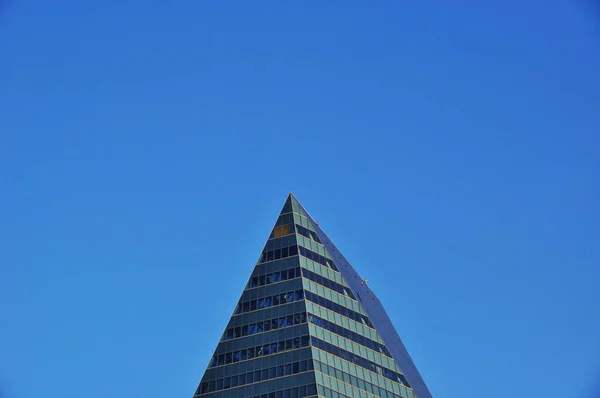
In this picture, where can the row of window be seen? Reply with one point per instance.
(361, 374)
(296, 392)
(282, 241)
(309, 390)
(276, 254)
(354, 381)
(274, 266)
(274, 277)
(331, 316)
(300, 219)
(340, 309)
(260, 363)
(321, 270)
(271, 301)
(256, 376)
(263, 338)
(311, 245)
(360, 361)
(258, 351)
(349, 334)
(344, 301)
(327, 393)
(307, 233)
(265, 326)
(317, 258)
(354, 348)
(328, 283)
(272, 252)
(273, 288)
(274, 312)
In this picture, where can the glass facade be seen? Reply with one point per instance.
(306, 325)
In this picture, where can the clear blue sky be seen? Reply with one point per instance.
(146, 148)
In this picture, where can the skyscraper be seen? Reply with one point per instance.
(307, 325)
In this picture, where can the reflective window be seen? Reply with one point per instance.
(307, 233)
(295, 391)
(317, 258)
(349, 379)
(262, 350)
(357, 360)
(272, 301)
(265, 326)
(279, 276)
(328, 283)
(340, 309)
(276, 254)
(350, 335)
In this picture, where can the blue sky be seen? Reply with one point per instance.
(449, 148)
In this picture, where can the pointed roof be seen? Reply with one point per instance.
(329, 307)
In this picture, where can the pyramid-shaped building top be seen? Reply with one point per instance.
(307, 325)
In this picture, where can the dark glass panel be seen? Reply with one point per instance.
(293, 250)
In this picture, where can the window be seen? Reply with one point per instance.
(360, 361)
(281, 231)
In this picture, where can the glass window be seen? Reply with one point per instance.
(302, 391)
(293, 250)
(302, 366)
(281, 231)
